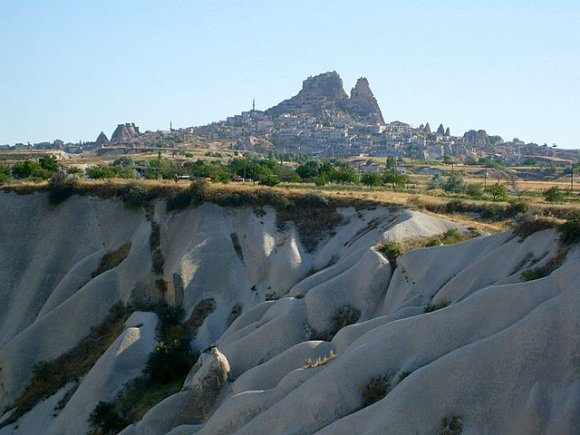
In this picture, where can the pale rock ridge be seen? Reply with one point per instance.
(499, 353)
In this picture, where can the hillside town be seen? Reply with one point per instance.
(322, 120)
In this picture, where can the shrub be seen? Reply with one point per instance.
(429, 308)
(526, 224)
(391, 250)
(554, 194)
(199, 191)
(105, 418)
(234, 314)
(134, 196)
(112, 259)
(456, 206)
(533, 274)
(451, 426)
(60, 189)
(497, 191)
(51, 376)
(474, 189)
(269, 180)
(570, 231)
(346, 315)
(516, 208)
(454, 183)
(492, 212)
(371, 179)
(99, 172)
(169, 360)
(375, 390)
(178, 201)
(451, 237)
(311, 200)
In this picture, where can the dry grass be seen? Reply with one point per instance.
(320, 361)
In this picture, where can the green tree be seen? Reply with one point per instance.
(436, 182)
(30, 169)
(344, 175)
(100, 172)
(371, 179)
(49, 163)
(391, 162)
(308, 170)
(395, 178)
(4, 174)
(455, 183)
(498, 191)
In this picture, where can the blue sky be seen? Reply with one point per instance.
(69, 69)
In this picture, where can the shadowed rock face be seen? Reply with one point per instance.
(325, 93)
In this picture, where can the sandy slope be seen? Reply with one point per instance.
(503, 355)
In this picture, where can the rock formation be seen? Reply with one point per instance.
(102, 140)
(325, 93)
(322, 92)
(441, 130)
(363, 104)
(125, 133)
(337, 339)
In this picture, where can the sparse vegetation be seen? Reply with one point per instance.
(107, 420)
(554, 194)
(134, 195)
(51, 376)
(112, 259)
(234, 314)
(449, 237)
(170, 361)
(391, 250)
(526, 224)
(60, 188)
(545, 270)
(376, 389)
(570, 231)
(429, 308)
(533, 274)
(320, 361)
(344, 316)
(451, 426)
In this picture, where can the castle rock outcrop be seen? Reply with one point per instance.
(324, 94)
(363, 103)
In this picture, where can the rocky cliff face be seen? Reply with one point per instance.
(325, 93)
(363, 104)
(318, 93)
